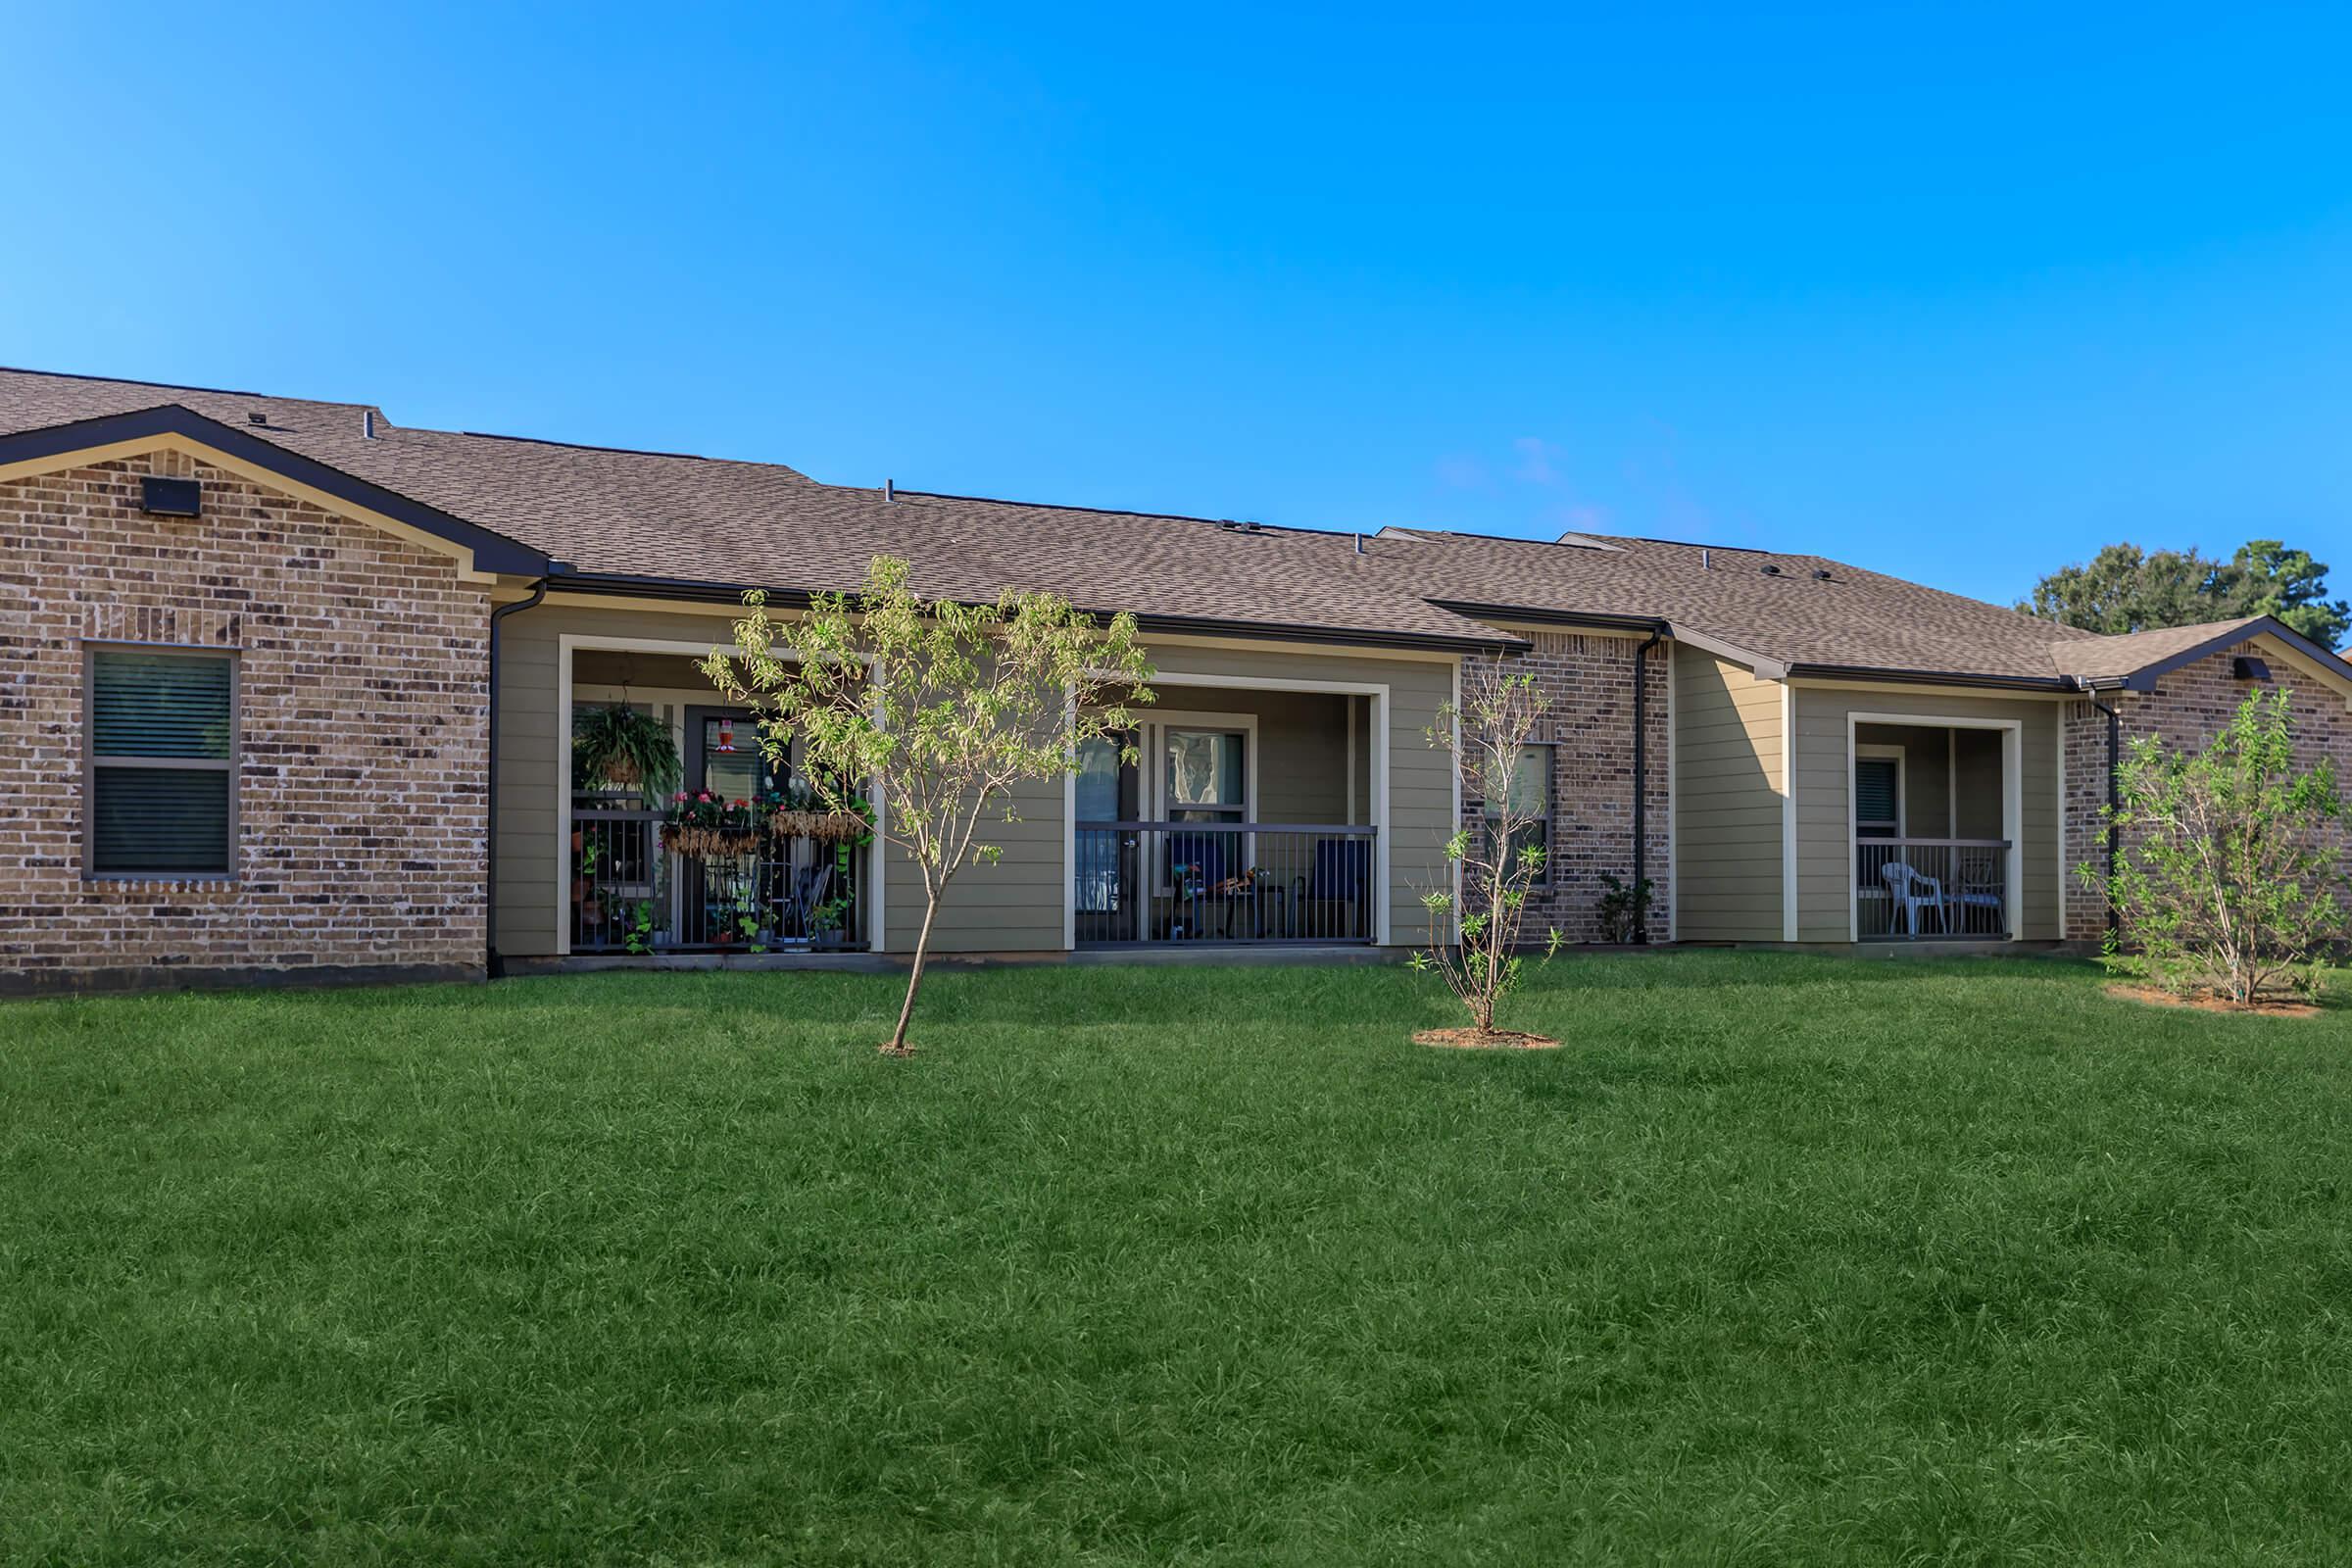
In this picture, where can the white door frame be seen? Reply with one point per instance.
(2013, 811)
(1376, 691)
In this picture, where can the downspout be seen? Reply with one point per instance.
(493, 968)
(1642, 781)
(2115, 799)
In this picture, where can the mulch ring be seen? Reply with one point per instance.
(1485, 1040)
(2207, 1002)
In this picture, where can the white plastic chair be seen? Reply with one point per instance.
(1903, 885)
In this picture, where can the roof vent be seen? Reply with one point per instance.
(2245, 666)
(257, 419)
(160, 497)
(1770, 569)
(890, 490)
(1822, 574)
(367, 424)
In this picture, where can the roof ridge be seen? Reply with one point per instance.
(592, 446)
(1116, 511)
(133, 380)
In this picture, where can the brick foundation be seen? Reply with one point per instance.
(363, 715)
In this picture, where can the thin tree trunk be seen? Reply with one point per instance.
(914, 981)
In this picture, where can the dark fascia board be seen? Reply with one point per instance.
(492, 552)
(2145, 678)
(1547, 617)
(1933, 677)
(695, 591)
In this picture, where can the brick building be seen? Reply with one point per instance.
(287, 693)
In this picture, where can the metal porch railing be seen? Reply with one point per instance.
(1222, 881)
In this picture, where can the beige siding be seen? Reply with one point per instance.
(1728, 809)
(1824, 844)
(533, 757)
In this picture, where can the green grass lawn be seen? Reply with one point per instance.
(1781, 1261)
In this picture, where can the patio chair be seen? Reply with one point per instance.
(1913, 893)
(1335, 888)
(811, 886)
(1981, 890)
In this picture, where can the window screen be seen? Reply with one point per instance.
(162, 744)
(1878, 810)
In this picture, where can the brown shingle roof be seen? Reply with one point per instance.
(2106, 658)
(674, 521)
(1850, 617)
(676, 518)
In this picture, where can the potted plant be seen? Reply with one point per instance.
(624, 747)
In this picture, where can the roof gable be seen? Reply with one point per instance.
(26, 451)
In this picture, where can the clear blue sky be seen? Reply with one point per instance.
(1961, 295)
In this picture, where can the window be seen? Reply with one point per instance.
(1099, 771)
(161, 786)
(1879, 791)
(1206, 777)
(1531, 792)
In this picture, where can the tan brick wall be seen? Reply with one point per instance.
(2187, 708)
(1590, 682)
(362, 692)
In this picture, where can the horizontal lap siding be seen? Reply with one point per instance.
(1014, 905)
(1728, 811)
(534, 751)
(1825, 847)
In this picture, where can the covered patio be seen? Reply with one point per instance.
(1249, 813)
(1934, 848)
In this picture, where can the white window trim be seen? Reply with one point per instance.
(1152, 796)
(1901, 756)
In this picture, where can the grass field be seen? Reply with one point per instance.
(1781, 1260)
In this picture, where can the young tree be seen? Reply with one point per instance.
(2229, 859)
(944, 707)
(1488, 730)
